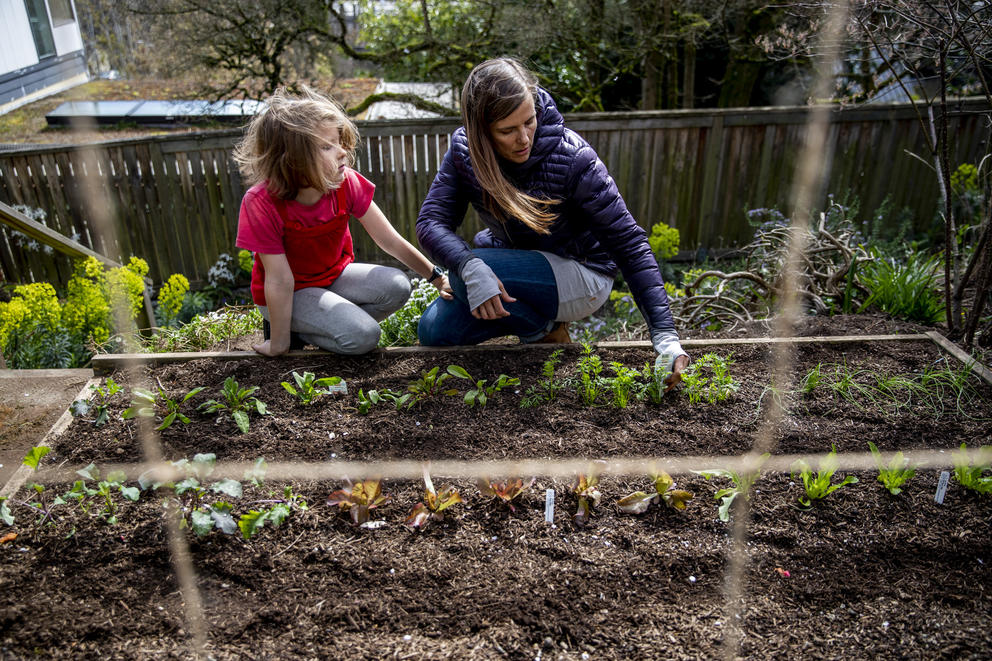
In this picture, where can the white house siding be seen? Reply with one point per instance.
(16, 44)
(67, 38)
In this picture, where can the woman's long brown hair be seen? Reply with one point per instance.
(492, 92)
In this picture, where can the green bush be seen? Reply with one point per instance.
(400, 328)
(904, 290)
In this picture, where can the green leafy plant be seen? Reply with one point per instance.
(971, 473)
(147, 404)
(190, 493)
(480, 393)
(308, 387)
(359, 500)
(400, 328)
(42, 505)
(429, 385)
(708, 379)
(624, 385)
(586, 490)
(741, 483)
(506, 493)
(102, 490)
(367, 400)
(238, 402)
(896, 473)
(905, 288)
(590, 366)
(98, 402)
(547, 387)
(820, 485)
(274, 512)
(664, 492)
(811, 380)
(654, 376)
(433, 505)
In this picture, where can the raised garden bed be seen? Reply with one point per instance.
(861, 573)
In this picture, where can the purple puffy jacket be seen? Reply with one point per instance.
(594, 226)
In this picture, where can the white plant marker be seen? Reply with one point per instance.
(941, 487)
(549, 506)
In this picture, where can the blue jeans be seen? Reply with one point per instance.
(526, 275)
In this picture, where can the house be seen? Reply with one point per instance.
(41, 50)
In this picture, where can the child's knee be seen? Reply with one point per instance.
(360, 341)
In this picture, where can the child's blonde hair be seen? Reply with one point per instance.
(282, 143)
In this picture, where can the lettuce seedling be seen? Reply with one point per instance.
(145, 403)
(819, 486)
(586, 490)
(971, 475)
(237, 401)
(359, 500)
(433, 505)
(505, 492)
(481, 393)
(897, 473)
(308, 387)
(664, 491)
(741, 485)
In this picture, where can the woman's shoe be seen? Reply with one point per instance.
(558, 335)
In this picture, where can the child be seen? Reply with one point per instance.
(295, 156)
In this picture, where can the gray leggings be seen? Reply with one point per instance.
(344, 317)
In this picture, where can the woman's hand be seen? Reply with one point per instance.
(675, 377)
(493, 308)
(443, 288)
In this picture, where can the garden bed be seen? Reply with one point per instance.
(861, 573)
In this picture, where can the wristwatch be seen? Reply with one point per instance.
(435, 274)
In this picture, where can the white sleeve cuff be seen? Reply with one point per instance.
(481, 283)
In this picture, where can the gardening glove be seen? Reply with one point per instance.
(481, 283)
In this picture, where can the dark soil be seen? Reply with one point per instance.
(862, 574)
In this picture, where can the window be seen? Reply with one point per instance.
(61, 11)
(41, 29)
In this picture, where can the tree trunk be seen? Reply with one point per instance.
(689, 75)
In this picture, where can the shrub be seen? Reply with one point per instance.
(400, 328)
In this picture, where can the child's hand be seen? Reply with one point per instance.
(266, 349)
(443, 288)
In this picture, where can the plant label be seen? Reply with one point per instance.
(942, 487)
(549, 506)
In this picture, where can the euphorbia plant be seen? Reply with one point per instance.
(434, 503)
(664, 491)
(359, 500)
(505, 492)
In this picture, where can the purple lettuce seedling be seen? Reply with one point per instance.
(359, 500)
(586, 490)
(505, 492)
(433, 505)
(665, 491)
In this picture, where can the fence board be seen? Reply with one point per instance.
(175, 199)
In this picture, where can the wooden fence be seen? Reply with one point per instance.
(174, 200)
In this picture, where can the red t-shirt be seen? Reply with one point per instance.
(261, 228)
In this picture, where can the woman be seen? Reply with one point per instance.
(556, 227)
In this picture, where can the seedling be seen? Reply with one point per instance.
(708, 379)
(237, 401)
(373, 397)
(98, 402)
(190, 492)
(359, 500)
(114, 480)
(505, 492)
(145, 403)
(589, 367)
(547, 387)
(31, 459)
(433, 506)
(897, 473)
(624, 384)
(655, 376)
(586, 490)
(741, 485)
(308, 387)
(276, 512)
(481, 393)
(664, 491)
(972, 474)
(428, 386)
(812, 380)
(819, 486)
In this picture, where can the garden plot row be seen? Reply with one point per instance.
(490, 581)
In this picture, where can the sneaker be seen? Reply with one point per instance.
(558, 335)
